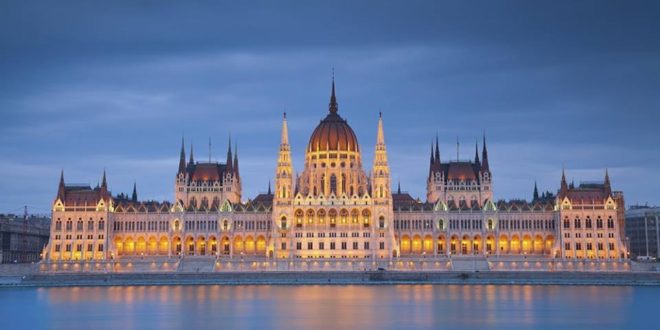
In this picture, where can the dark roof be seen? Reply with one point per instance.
(403, 200)
(206, 172)
(588, 193)
(461, 171)
(264, 199)
(81, 195)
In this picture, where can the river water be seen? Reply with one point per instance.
(331, 307)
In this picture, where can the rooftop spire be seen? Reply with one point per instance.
(607, 177)
(192, 159)
(536, 192)
(476, 153)
(284, 140)
(269, 191)
(333, 99)
(564, 185)
(182, 159)
(432, 158)
(235, 167)
(380, 136)
(229, 157)
(104, 183)
(484, 157)
(134, 197)
(608, 186)
(398, 187)
(60, 188)
(437, 149)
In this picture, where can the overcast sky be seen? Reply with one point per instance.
(91, 85)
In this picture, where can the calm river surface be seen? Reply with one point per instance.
(331, 307)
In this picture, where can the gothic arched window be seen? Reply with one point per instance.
(343, 183)
(333, 184)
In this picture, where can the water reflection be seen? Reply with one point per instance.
(329, 307)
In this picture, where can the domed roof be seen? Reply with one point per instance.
(333, 133)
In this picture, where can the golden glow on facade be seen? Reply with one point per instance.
(335, 210)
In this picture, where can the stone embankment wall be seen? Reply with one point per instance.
(212, 265)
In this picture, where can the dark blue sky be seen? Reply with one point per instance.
(90, 85)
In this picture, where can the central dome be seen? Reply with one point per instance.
(333, 132)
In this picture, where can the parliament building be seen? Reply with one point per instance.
(335, 209)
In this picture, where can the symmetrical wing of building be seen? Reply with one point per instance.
(334, 209)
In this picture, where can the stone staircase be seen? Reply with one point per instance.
(196, 265)
(469, 264)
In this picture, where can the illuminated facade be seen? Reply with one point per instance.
(334, 210)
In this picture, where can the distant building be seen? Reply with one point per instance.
(335, 209)
(22, 239)
(642, 230)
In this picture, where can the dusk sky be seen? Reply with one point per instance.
(91, 85)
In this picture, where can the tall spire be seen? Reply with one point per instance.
(269, 191)
(182, 159)
(535, 197)
(437, 149)
(235, 167)
(60, 188)
(283, 174)
(104, 182)
(432, 158)
(380, 136)
(104, 187)
(134, 197)
(564, 186)
(607, 184)
(398, 187)
(476, 154)
(484, 157)
(229, 157)
(192, 159)
(284, 139)
(334, 107)
(380, 174)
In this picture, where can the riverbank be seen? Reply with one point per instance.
(335, 278)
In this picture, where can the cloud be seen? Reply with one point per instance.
(549, 86)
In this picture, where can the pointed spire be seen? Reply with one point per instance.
(432, 162)
(484, 157)
(535, 197)
(104, 182)
(437, 149)
(476, 154)
(235, 166)
(398, 187)
(380, 136)
(564, 186)
(61, 188)
(229, 157)
(284, 140)
(607, 177)
(182, 158)
(104, 186)
(607, 184)
(269, 191)
(192, 159)
(432, 158)
(334, 107)
(134, 197)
